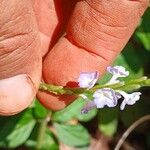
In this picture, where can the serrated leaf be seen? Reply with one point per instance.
(108, 121)
(16, 130)
(48, 142)
(69, 112)
(72, 135)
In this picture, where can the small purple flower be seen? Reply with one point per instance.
(104, 97)
(117, 71)
(88, 79)
(89, 105)
(129, 99)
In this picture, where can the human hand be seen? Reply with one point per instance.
(95, 34)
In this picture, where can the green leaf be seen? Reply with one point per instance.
(16, 130)
(105, 78)
(69, 112)
(82, 148)
(108, 121)
(39, 111)
(74, 111)
(134, 66)
(144, 38)
(72, 135)
(143, 32)
(49, 142)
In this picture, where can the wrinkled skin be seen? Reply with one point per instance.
(71, 36)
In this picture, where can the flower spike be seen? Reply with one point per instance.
(106, 96)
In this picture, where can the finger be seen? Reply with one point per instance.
(96, 33)
(47, 20)
(51, 19)
(20, 57)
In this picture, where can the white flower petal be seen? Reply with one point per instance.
(129, 99)
(118, 70)
(88, 79)
(98, 94)
(111, 103)
(100, 103)
(133, 98)
(123, 104)
(104, 97)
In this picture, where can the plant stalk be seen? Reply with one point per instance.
(42, 130)
(130, 129)
(122, 85)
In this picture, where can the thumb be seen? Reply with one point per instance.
(96, 33)
(20, 58)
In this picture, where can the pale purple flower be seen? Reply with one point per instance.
(104, 97)
(88, 79)
(129, 99)
(117, 71)
(89, 105)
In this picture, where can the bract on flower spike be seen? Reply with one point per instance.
(83, 96)
(117, 71)
(106, 96)
(88, 79)
(129, 99)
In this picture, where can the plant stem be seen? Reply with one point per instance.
(123, 85)
(42, 129)
(130, 129)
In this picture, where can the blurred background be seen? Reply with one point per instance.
(68, 129)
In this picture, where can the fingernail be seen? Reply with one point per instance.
(16, 94)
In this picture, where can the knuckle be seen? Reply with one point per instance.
(17, 26)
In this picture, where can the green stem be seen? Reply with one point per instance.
(123, 85)
(52, 88)
(41, 130)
